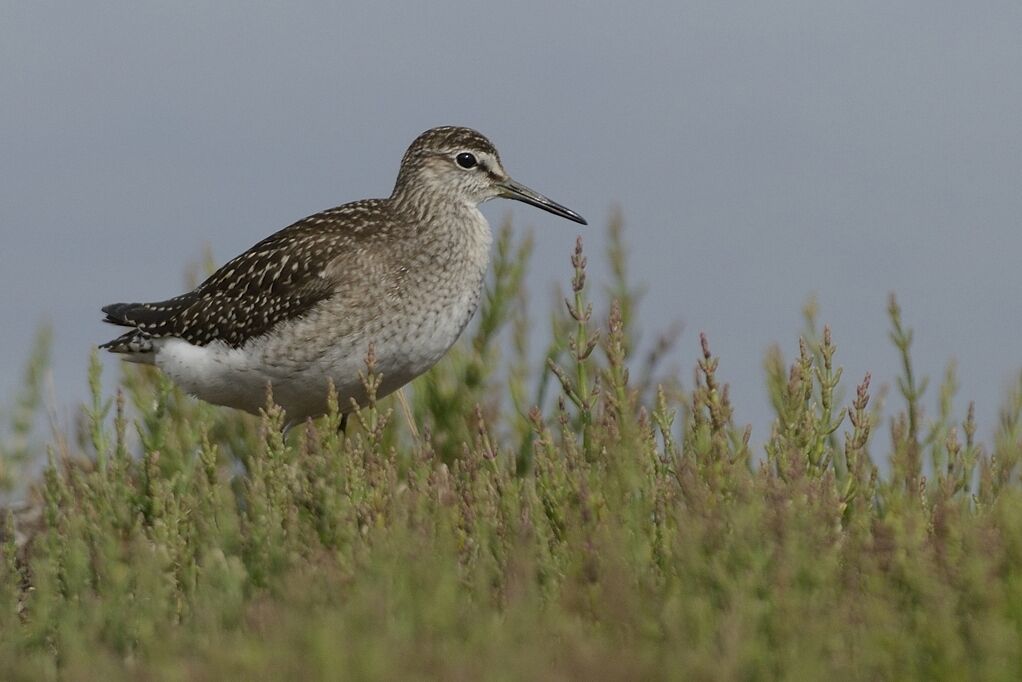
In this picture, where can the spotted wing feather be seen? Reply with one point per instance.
(280, 278)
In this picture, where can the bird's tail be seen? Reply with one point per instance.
(137, 345)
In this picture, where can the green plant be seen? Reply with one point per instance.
(615, 526)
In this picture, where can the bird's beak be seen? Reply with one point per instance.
(511, 189)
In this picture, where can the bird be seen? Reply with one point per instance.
(300, 310)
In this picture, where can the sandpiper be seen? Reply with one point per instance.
(299, 310)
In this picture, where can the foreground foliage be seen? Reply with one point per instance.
(587, 520)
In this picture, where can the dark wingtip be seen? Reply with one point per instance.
(114, 310)
(119, 314)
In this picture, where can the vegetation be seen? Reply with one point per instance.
(587, 517)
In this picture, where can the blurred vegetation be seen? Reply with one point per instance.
(582, 517)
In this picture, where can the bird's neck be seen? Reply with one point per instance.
(451, 234)
(429, 209)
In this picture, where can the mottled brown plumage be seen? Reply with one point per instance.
(300, 307)
(280, 278)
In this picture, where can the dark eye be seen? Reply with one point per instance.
(466, 160)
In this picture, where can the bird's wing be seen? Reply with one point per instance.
(279, 279)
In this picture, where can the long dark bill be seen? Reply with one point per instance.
(518, 191)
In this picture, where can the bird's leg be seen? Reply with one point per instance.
(343, 426)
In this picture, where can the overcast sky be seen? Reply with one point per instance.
(760, 152)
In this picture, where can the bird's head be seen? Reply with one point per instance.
(463, 166)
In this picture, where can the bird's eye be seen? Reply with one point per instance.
(466, 160)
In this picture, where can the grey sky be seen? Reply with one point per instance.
(760, 152)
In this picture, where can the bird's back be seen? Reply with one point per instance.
(280, 278)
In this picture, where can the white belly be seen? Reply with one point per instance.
(301, 362)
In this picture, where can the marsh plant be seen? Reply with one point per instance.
(569, 511)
